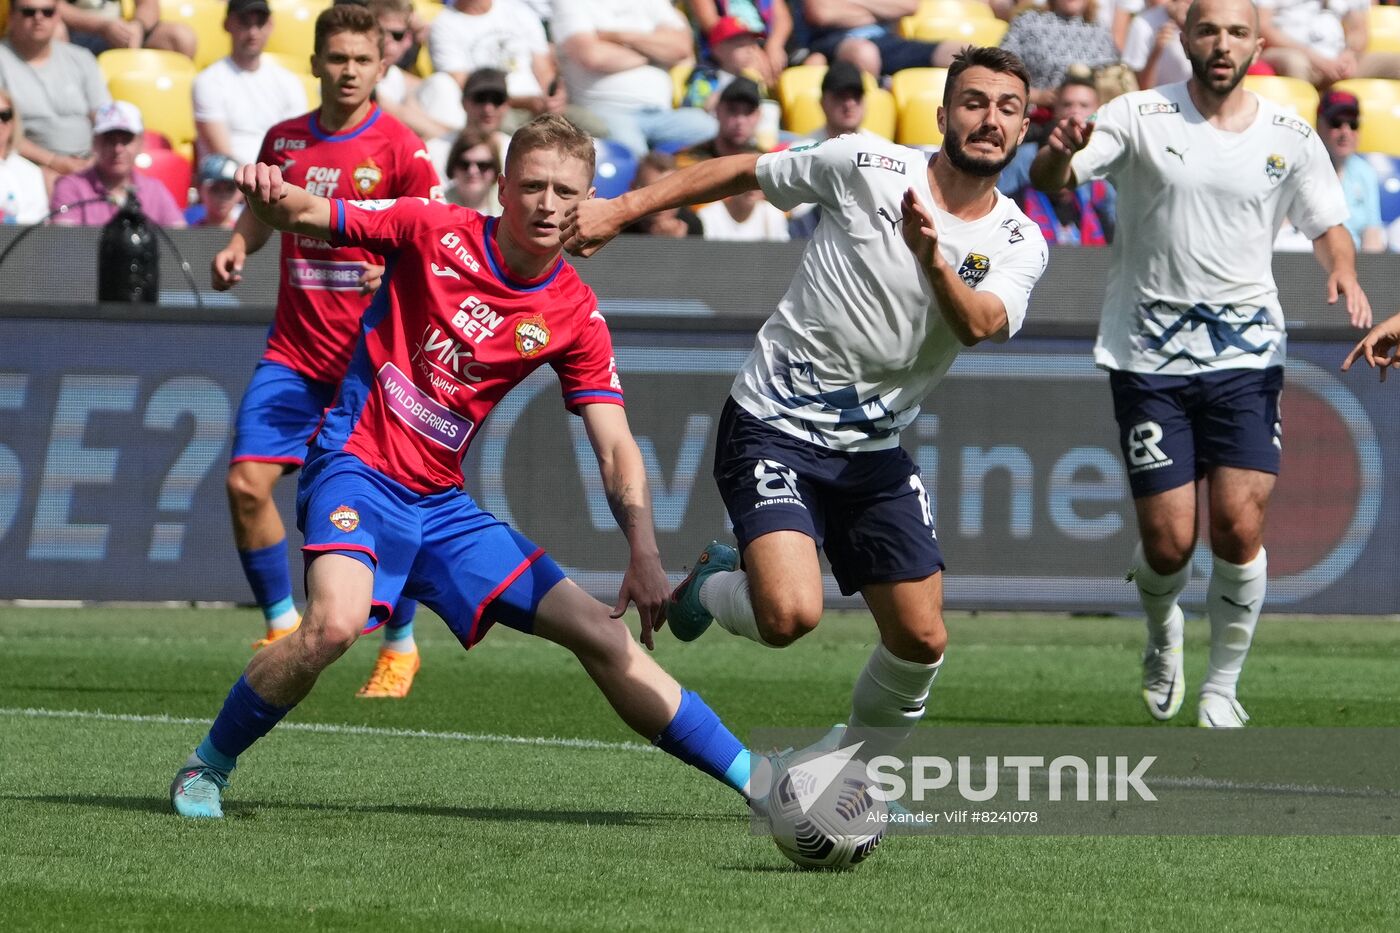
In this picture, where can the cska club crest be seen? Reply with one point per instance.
(974, 269)
(366, 177)
(345, 518)
(531, 336)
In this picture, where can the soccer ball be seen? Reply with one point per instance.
(838, 829)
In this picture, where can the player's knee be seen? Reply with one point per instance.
(862, 53)
(246, 493)
(325, 635)
(784, 623)
(1235, 540)
(1166, 554)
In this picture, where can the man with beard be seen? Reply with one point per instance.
(915, 259)
(1192, 334)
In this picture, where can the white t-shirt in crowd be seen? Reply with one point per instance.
(643, 87)
(1172, 65)
(23, 197)
(1191, 286)
(248, 103)
(393, 87)
(858, 339)
(506, 37)
(1315, 23)
(766, 223)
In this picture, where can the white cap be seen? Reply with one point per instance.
(118, 115)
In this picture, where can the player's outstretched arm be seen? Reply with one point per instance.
(973, 316)
(281, 204)
(625, 483)
(1336, 252)
(249, 236)
(590, 224)
(1051, 169)
(1380, 348)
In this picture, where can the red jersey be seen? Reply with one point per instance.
(318, 295)
(448, 334)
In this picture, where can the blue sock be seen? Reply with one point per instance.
(245, 718)
(399, 628)
(270, 577)
(697, 737)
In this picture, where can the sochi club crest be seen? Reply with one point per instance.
(974, 269)
(531, 336)
(1274, 168)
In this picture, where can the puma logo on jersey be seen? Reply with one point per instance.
(890, 219)
(1179, 153)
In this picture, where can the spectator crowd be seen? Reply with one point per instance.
(660, 85)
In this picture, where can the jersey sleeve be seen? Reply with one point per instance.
(417, 177)
(1014, 276)
(1318, 202)
(807, 174)
(383, 226)
(588, 371)
(1108, 143)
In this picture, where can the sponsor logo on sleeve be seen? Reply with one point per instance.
(1147, 110)
(1012, 226)
(383, 204)
(1293, 123)
(345, 518)
(974, 269)
(531, 336)
(878, 160)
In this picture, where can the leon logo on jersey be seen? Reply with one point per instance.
(531, 336)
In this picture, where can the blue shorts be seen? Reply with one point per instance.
(278, 414)
(1175, 428)
(868, 511)
(441, 549)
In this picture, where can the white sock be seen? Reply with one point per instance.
(404, 645)
(888, 701)
(726, 594)
(284, 621)
(1233, 601)
(1158, 594)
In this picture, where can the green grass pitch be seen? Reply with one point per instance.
(477, 825)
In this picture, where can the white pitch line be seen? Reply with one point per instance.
(333, 728)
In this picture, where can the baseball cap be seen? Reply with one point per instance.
(485, 80)
(843, 76)
(118, 116)
(1337, 104)
(217, 167)
(248, 6)
(731, 27)
(741, 91)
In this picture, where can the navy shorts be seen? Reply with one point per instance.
(896, 52)
(441, 549)
(1175, 428)
(278, 414)
(868, 511)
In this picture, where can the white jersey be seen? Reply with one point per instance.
(858, 339)
(1191, 286)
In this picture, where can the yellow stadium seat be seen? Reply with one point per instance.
(294, 26)
(423, 64)
(1380, 113)
(880, 113)
(296, 64)
(966, 31)
(1384, 29)
(953, 9)
(164, 101)
(800, 93)
(918, 93)
(427, 10)
(313, 91)
(206, 18)
(1293, 94)
(115, 62)
(680, 74)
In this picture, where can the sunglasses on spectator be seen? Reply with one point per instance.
(1338, 124)
(396, 34)
(7, 115)
(483, 167)
(29, 12)
(495, 100)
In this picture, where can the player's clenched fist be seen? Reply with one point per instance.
(226, 270)
(261, 184)
(589, 225)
